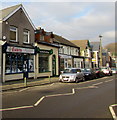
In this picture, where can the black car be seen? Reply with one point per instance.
(89, 74)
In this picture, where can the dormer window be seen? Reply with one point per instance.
(26, 36)
(13, 34)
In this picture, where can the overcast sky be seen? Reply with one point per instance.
(74, 20)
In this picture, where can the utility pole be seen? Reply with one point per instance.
(100, 36)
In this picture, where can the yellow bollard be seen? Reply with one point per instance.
(25, 82)
(49, 79)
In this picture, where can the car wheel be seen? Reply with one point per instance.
(76, 80)
(83, 79)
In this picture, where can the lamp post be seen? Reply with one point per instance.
(100, 36)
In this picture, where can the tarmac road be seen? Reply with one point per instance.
(89, 99)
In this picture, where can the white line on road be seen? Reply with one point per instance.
(16, 108)
(38, 102)
(109, 80)
(54, 95)
(52, 84)
(112, 111)
(98, 83)
(23, 89)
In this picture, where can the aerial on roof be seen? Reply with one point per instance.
(64, 41)
(8, 12)
(81, 43)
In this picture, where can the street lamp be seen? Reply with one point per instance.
(100, 36)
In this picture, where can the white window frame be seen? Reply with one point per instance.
(11, 29)
(28, 34)
(41, 37)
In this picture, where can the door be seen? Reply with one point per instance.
(53, 65)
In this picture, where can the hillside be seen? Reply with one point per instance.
(112, 47)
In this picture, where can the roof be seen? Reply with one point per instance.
(64, 41)
(81, 43)
(8, 12)
(95, 46)
(49, 44)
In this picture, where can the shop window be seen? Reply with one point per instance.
(43, 63)
(13, 33)
(61, 64)
(15, 63)
(31, 63)
(26, 36)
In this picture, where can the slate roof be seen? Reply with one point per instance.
(7, 11)
(81, 43)
(95, 46)
(64, 41)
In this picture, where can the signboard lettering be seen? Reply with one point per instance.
(19, 50)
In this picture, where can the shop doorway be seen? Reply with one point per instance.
(53, 65)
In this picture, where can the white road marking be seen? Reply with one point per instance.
(16, 108)
(54, 95)
(87, 87)
(39, 101)
(109, 80)
(23, 89)
(52, 84)
(112, 111)
(98, 83)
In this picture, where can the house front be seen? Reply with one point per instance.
(85, 52)
(95, 54)
(68, 53)
(46, 54)
(18, 53)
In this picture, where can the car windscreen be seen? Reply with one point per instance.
(72, 70)
(86, 70)
(75, 70)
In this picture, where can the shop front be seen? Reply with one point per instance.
(46, 61)
(78, 62)
(88, 62)
(65, 61)
(1, 60)
(16, 60)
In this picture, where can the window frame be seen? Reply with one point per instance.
(28, 34)
(16, 31)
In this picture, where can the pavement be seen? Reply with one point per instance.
(17, 84)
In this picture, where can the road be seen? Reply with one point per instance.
(89, 99)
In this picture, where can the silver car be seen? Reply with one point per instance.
(71, 75)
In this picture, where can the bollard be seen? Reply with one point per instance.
(49, 79)
(25, 81)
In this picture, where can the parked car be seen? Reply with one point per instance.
(71, 75)
(114, 70)
(107, 70)
(99, 73)
(89, 73)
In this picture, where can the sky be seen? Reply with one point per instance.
(73, 20)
